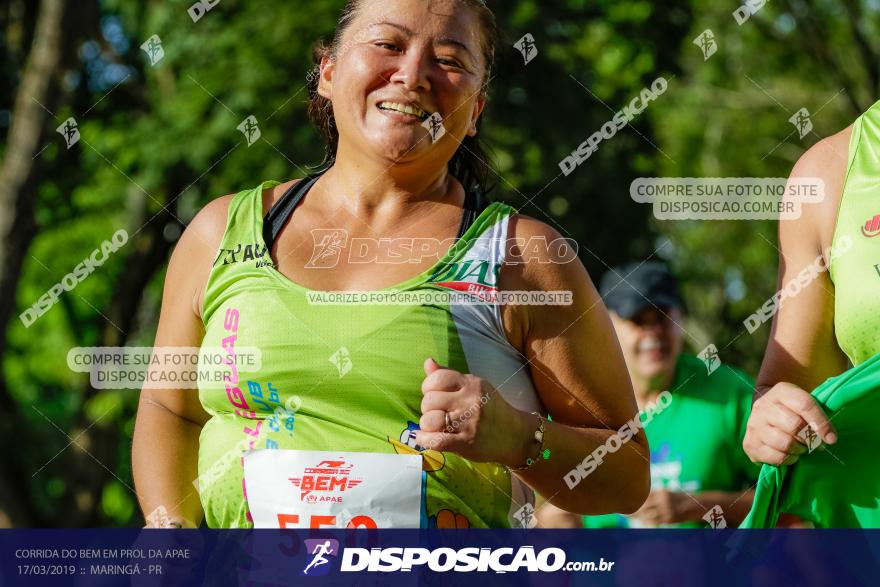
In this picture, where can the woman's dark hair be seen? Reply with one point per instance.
(468, 164)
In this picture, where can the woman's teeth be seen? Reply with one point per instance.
(398, 107)
(649, 345)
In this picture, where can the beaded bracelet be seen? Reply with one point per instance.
(539, 438)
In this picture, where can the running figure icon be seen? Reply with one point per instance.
(321, 549)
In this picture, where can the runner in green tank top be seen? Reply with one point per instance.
(463, 389)
(287, 404)
(834, 321)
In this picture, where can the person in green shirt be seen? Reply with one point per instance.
(695, 433)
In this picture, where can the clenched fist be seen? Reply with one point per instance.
(466, 415)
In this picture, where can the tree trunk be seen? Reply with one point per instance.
(18, 192)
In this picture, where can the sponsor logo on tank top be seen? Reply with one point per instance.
(243, 254)
(326, 481)
(872, 227)
(470, 276)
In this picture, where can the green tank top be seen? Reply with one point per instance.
(348, 377)
(856, 271)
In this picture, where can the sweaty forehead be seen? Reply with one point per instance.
(448, 19)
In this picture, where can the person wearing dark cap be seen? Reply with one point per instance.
(699, 472)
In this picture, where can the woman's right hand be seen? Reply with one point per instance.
(777, 418)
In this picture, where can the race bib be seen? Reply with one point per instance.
(314, 489)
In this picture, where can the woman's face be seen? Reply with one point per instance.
(424, 55)
(651, 341)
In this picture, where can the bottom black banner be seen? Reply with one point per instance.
(439, 557)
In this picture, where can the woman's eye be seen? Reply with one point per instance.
(389, 46)
(449, 62)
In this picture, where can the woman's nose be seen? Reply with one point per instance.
(412, 71)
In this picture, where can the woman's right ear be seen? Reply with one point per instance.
(325, 77)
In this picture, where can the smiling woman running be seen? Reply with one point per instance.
(472, 383)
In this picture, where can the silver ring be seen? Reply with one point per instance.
(448, 421)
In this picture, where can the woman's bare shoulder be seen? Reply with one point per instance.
(206, 229)
(534, 243)
(826, 161)
(197, 248)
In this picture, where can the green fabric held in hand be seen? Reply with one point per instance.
(838, 485)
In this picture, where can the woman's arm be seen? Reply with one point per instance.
(550, 516)
(677, 507)
(166, 435)
(666, 507)
(579, 374)
(802, 351)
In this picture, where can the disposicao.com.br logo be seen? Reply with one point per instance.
(444, 559)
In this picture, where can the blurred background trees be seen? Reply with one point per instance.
(159, 141)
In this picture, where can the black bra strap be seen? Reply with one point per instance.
(473, 206)
(281, 210)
